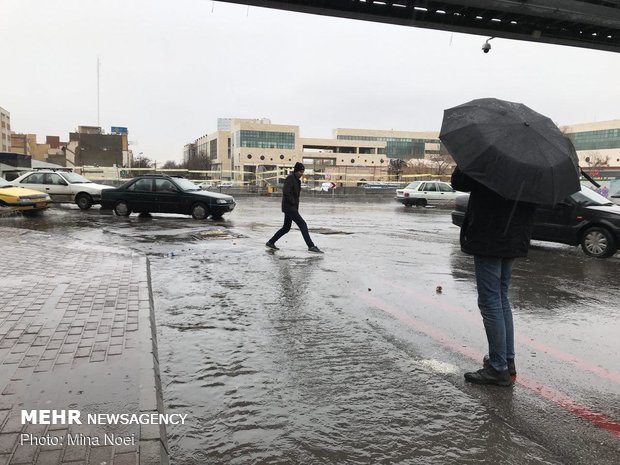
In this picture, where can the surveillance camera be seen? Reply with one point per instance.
(486, 47)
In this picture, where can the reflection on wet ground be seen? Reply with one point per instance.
(291, 358)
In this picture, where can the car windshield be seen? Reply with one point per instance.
(4, 183)
(186, 185)
(587, 196)
(413, 185)
(74, 178)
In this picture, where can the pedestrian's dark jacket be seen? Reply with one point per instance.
(493, 225)
(290, 193)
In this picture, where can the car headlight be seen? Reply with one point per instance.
(221, 201)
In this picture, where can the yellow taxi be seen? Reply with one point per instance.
(27, 201)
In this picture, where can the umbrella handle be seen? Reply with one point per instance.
(587, 176)
(514, 207)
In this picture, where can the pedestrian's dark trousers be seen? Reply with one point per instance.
(289, 217)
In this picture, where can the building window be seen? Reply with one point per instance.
(249, 156)
(265, 139)
(213, 149)
(397, 147)
(596, 140)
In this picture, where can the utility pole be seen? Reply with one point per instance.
(98, 114)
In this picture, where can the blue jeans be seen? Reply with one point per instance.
(289, 217)
(492, 280)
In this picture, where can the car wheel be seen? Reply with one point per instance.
(122, 208)
(84, 201)
(420, 202)
(200, 211)
(598, 242)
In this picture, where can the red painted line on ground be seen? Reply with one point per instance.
(555, 396)
(572, 406)
(559, 354)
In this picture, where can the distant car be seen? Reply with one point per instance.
(206, 185)
(63, 186)
(226, 184)
(380, 185)
(27, 201)
(159, 193)
(423, 193)
(585, 218)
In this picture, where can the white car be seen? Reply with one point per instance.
(422, 193)
(63, 186)
(206, 185)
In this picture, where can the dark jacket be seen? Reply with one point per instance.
(290, 193)
(493, 226)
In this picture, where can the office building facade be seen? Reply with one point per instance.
(597, 144)
(256, 149)
(5, 130)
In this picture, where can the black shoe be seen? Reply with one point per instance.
(272, 246)
(512, 369)
(314, 249)
(489, 376)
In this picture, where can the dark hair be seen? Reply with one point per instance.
(299, 167)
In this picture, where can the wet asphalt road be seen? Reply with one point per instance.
(353, 357)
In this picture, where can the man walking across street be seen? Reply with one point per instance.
(290, 208)
(495, 231)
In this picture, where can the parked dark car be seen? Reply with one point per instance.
(585, 218)
(159, 193)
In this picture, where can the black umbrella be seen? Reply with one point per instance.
(511, 149)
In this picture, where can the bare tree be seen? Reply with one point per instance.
(171, 165)
(396, 166)
(142, 162)
(594, 159)
(199, 161)
(443, 163)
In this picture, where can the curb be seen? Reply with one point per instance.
(153, 438)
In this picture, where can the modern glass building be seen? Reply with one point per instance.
(246, 149)
(597, 144)
(405, 145)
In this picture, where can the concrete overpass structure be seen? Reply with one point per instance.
(591, 24)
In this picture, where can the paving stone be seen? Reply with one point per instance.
(97, 357)
(75, 453)
(126, 459)
(49, 457)
(115, 350)
(100, 455)
(8, 442)
(23, 454)
(83, 352)
(3, 416)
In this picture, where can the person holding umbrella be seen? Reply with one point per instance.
(509, 158)
(495, 231)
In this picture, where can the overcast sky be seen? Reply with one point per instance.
(169, 69)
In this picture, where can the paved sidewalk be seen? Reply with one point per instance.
(76, 332)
